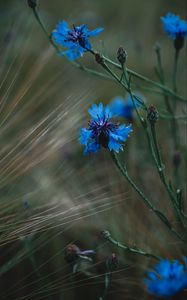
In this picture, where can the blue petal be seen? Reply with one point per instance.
(85, 135)
(171, 278)
(96, 111)
(173, 25)
(92, 147)
(107, 112)
(74, 52)
(122, 132)
(114, 145)
(130, 102)
(95, 31)
(62, 27)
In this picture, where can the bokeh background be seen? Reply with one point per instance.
(52, 195)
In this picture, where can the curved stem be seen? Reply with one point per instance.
(107, 236)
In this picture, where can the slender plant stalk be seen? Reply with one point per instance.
(172, 195)
(171, 109)
(156, 84)
(108, 277)
(107, 236)
(159, 214)
(176, 130)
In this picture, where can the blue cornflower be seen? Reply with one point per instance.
(103, 132)
(76, 40)
(167, 278)
(176, 29)
(124, 107)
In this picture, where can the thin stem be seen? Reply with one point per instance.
(139, 251)
(175, 126)
(39, 20)
(175, 71)
(159, 214)
(144, 78)
(163, 177)
(108, 277)
(171, 108)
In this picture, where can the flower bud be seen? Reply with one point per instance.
(72, 253)
(112, 262)
(152, 115)
(32, 3)
(105, 234)
(99, 59)
(121, 55)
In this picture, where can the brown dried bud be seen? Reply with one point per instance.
(122, 55)
(72, 253)
(152, 115)
(99, 59)
(32, 3)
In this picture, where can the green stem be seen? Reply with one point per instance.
(107, 236)
(175, 71)
(40, 22)
(139, 76)
(159, 214)
(175, 124)
(163, 177)
(171, 109)
(108, 277)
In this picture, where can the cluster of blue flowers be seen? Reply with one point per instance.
(76, 40)
(174, 26)
(167, 278)
(102, 131)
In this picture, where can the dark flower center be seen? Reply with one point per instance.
(76, 35)
(100, 130)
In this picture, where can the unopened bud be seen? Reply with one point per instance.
(106, 234)
(152, 115)
(99, 59)
(157, 47)
(112, 262)
(32, 3)
(72, 253)
(122, 55)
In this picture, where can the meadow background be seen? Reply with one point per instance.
(50, 194)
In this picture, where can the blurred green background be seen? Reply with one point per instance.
(52, 195)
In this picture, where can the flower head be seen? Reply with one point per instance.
(73, 252)
(124, 107)
(174, 26)
(167, 278)
(76, 40)
(102, 131)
